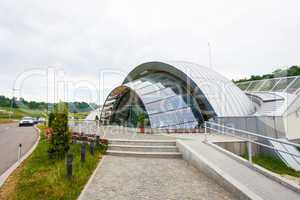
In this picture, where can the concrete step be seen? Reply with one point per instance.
(145, 154)
(142, 142)
(142, 148)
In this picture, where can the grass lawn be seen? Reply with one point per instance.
(274, 164)
(5, 121)
(18, 113)
(79, 115)
(40, 178)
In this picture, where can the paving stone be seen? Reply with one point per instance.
(129, 178)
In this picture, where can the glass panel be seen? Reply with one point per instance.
(143, 84)
(183, 126)
(172, 117)
(162, 119)
(269, 84)
(254, 85)
(172, 103)
(295, 86)
(243, 86)
(150, 88)
(155, 96)
(134, 83)
(282, 84)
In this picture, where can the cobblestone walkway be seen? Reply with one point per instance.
(130, 178)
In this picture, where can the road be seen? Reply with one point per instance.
(10, 137)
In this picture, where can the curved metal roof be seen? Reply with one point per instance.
(223, 95)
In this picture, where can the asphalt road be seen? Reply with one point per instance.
(10, 137)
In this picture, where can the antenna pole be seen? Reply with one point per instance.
(209, 54)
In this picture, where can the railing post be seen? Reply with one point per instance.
(92, 147)
(19, 151)
(249, 151)
(205, 131)
(69, 163)
(83, 151)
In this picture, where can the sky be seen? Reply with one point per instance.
(82, 42)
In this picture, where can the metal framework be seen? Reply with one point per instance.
(290, 84)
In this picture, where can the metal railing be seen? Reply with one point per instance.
(249, 137)
(84, 126)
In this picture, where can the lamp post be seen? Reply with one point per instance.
(12, 102)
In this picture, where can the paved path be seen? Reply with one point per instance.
(130, 178)
(259, 184)
(10, 136)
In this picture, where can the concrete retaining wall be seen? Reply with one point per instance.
(238, 148)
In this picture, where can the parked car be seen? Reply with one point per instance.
(35, 120)
(41, 120)
(26, 121)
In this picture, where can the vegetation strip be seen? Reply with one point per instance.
(39, 177)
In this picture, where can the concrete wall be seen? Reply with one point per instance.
(264, 125)
(238, 148)
(292, 126)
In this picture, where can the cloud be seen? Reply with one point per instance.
(83, 38)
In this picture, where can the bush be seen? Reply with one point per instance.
(60, 138)
(50, 119)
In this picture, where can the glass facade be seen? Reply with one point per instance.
(283, 84)
(166, 101)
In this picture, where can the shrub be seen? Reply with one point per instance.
(141, 120)
(50, 119)
(60, 138)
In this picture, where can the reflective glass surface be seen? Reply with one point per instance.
(165, 100)
(282, 84)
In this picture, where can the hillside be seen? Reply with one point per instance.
(16, 109)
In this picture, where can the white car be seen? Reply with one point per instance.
(41, 120)
(26, 121)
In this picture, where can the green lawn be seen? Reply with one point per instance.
(40, 178)
(5, 121)
(274, 164)
(17, 113)
(79, 115)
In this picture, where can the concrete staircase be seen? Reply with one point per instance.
(143, 148)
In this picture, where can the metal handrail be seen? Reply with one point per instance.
(258, 143)
(249, 134)
(253, 134)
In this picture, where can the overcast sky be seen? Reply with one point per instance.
(82, 38)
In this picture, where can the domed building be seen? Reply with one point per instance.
(173, 95)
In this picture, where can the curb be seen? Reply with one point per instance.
(12, 168)
(80, 197)
(275, 177)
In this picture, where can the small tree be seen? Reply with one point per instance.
(141, 120)
(59, 142)
(50, 119)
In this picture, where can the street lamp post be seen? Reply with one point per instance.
(12, 102)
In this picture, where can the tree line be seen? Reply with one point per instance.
(34, 105)
(291, 71)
